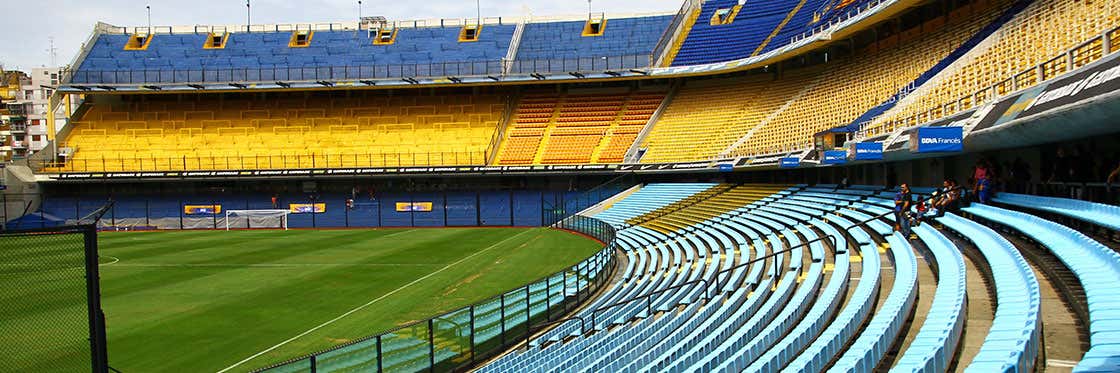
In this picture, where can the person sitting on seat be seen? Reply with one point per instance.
(948, 198)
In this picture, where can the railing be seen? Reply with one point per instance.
(262, 162)
(585, 64)
(1072, 59)
(713, 282)
(469, 335)
(568, 207)
(671, 32)
(713, 285)
(493, 68)
(836, 19)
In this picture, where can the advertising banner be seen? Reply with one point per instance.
(307, 208)
(834, 157)
(867, 151)
(937, 140)
(202, 209)
(789, 163)
(414, 206)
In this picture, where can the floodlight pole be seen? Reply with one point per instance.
(248, 16)
(588, 9)
(478, 8)
(359, 14)
(149, 8)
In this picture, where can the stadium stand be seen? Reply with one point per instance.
(810, 328)
(800, 20)
(937, 340)
(706, 116)
(1095, 213)
(559, 41)
(729, 30)
(289, 132)
(577, 128)
(244, 55)
(1013, 340)
(1095, 266)
(884, 69)
(1042, 33)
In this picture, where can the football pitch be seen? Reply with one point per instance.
(202, 301)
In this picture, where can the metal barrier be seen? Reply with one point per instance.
(51, 301)
(459, 339)
(335, 73)
(262, 162)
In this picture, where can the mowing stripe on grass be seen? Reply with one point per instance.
(367, 304)
(273, 265)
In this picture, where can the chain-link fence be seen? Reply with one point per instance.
(460, 339)
(50, 314)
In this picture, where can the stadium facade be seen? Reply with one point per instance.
(710, 137)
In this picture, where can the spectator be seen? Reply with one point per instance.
(1061, 170)
(275, 200)
(982, 180)
(948, 198)
(1020, 176)
(902, 202)
(1080, 171)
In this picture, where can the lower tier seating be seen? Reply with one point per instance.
(770, 284)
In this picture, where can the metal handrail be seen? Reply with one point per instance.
(1012, 84)
(715, 278)
(263, 162)
(268, 75)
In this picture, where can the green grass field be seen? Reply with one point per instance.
(205, 300)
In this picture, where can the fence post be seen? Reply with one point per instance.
(313, 225)
(1106, 44)
(379, 354)
(472, 334)
(502, 317)
(312, 363)
(98, 352)
(431, 345)
(527, 314)
(548, 298)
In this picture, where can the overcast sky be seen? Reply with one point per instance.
(28, 24)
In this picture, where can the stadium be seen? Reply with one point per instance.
(725, 185)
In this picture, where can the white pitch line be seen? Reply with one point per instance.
(359, 308)
(272, 265)
(115, 260)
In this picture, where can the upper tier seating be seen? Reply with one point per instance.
(752, 24)
(182, 58)
(799, 22)
(866, 81)
(1043, 31)
(551, 128)
(631, 40)
(291, 132)
(706, 117)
